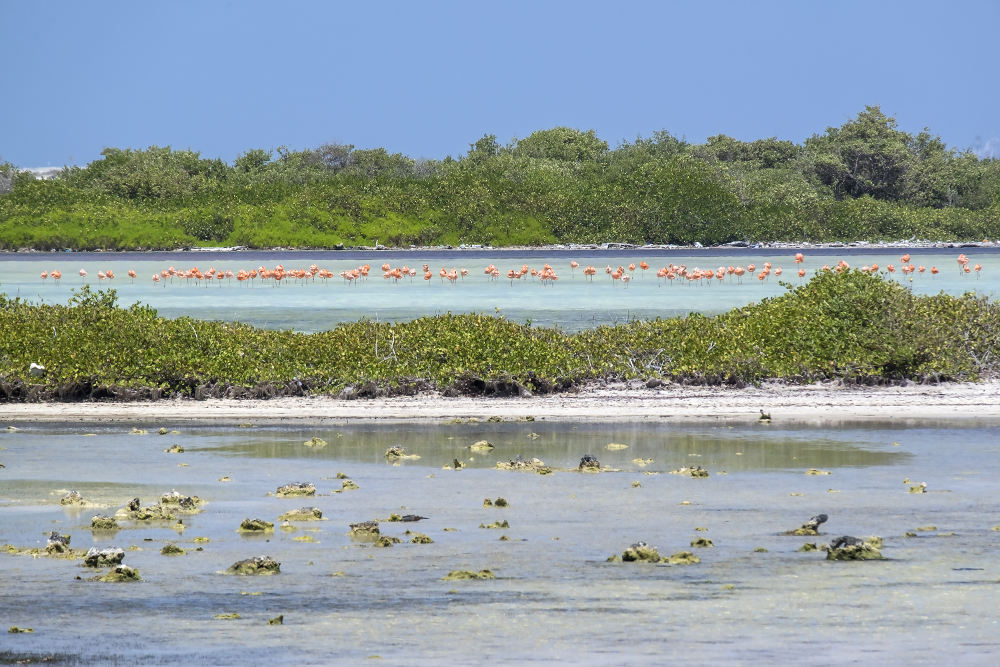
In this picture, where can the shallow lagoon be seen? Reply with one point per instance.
(572, 303)
(555, 598)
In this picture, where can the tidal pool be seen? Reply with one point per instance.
(573, 302)
(555, 597)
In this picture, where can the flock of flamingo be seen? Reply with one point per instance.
(547, 276)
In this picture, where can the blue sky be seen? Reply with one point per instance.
(428, 78)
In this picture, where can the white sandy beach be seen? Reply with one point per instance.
(814, 404)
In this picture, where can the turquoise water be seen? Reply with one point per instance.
(555, 598)
(573, 302)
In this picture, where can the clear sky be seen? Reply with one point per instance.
(427, 78)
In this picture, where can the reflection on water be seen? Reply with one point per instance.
(555, 598)
(573, 303)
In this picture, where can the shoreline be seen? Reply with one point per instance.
(556, 247)
(825, 403)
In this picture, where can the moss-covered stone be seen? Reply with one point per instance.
(420, 538)
(315, 442)
(760, 550)
(303, 514)
(702, 543)
(615, 446)
(853, 548)
(641, 552)
(72, 498)
(172, 550)
(386, 541)
(682, 558)
(495, 524)
(296, 489)
(178, 501)
(103, 522)
(259, 565)
(14, 630)
(120, 574)
(459, 575)
(103, 557)
(482, 446)
(365, 529)
(696, 472)
(349, 485)
(808, 546)
(227, 617)
(524, 465)
(277, 620)
(398, 453)
(255, 526)
(174, 449)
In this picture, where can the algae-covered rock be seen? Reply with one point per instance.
(180, 501)
(397, 453)
(495, 524)
(420, 538)
(103, 557)
(227, 617)
(349, 485)
(315, 442)
(296, 489)
(277, 620)
(151, 513)
(760, 550)
(342, 475)
(615, 446)
(172, 550)
(57, 544)
(927, 529)
(121, 574)
(138, 431)
(259, 565)
(14, 630)
(636, 484)
(524, 465)
(682, 558)
(365, 529)
(641, 552)
(853, 548)
(386, 541)
(304, 538)
(589, 463)
(816, 471)
(255, 526)
(808, 546)
(810, 527)
(406, 518)
(919, 488)
(459, 575)
(482, 446)
(162, 431)
(174, 449)
(103, 522)
(500, 502)
(302, 514)
(702, 543)
(487, 502)
(72, 498)
(696, 471)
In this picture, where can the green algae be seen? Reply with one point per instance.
(315, 442)
(304, 538)
(172, 550)
(385, 541)
(682, 558)
(348, 485)
(227, 617)
(759, 550)
(495, 524)
(103, 522)
(808, 546)
(277, 620)
(462, 575)
(419, 538)
(14, 630)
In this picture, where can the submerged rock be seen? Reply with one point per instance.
(258, 565)
(174, 449)
(72, 498)
(847, 547)
(459, 575)
(406, 517)
(302, 514)
(103, 557)
(696, 471)
(589, 463)
(315, 442)
(103, 522)
(615, 446)
(296, 489)
(255, 526)
(121, 574)
(14, 630)
(396, 453)
(817, 471)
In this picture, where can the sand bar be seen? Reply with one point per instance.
(812, 404)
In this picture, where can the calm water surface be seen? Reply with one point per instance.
(555, 599)
(572, 303)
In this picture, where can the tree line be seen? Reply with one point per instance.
(864, 180)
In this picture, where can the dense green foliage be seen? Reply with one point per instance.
(865, 180)
(851, 326)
